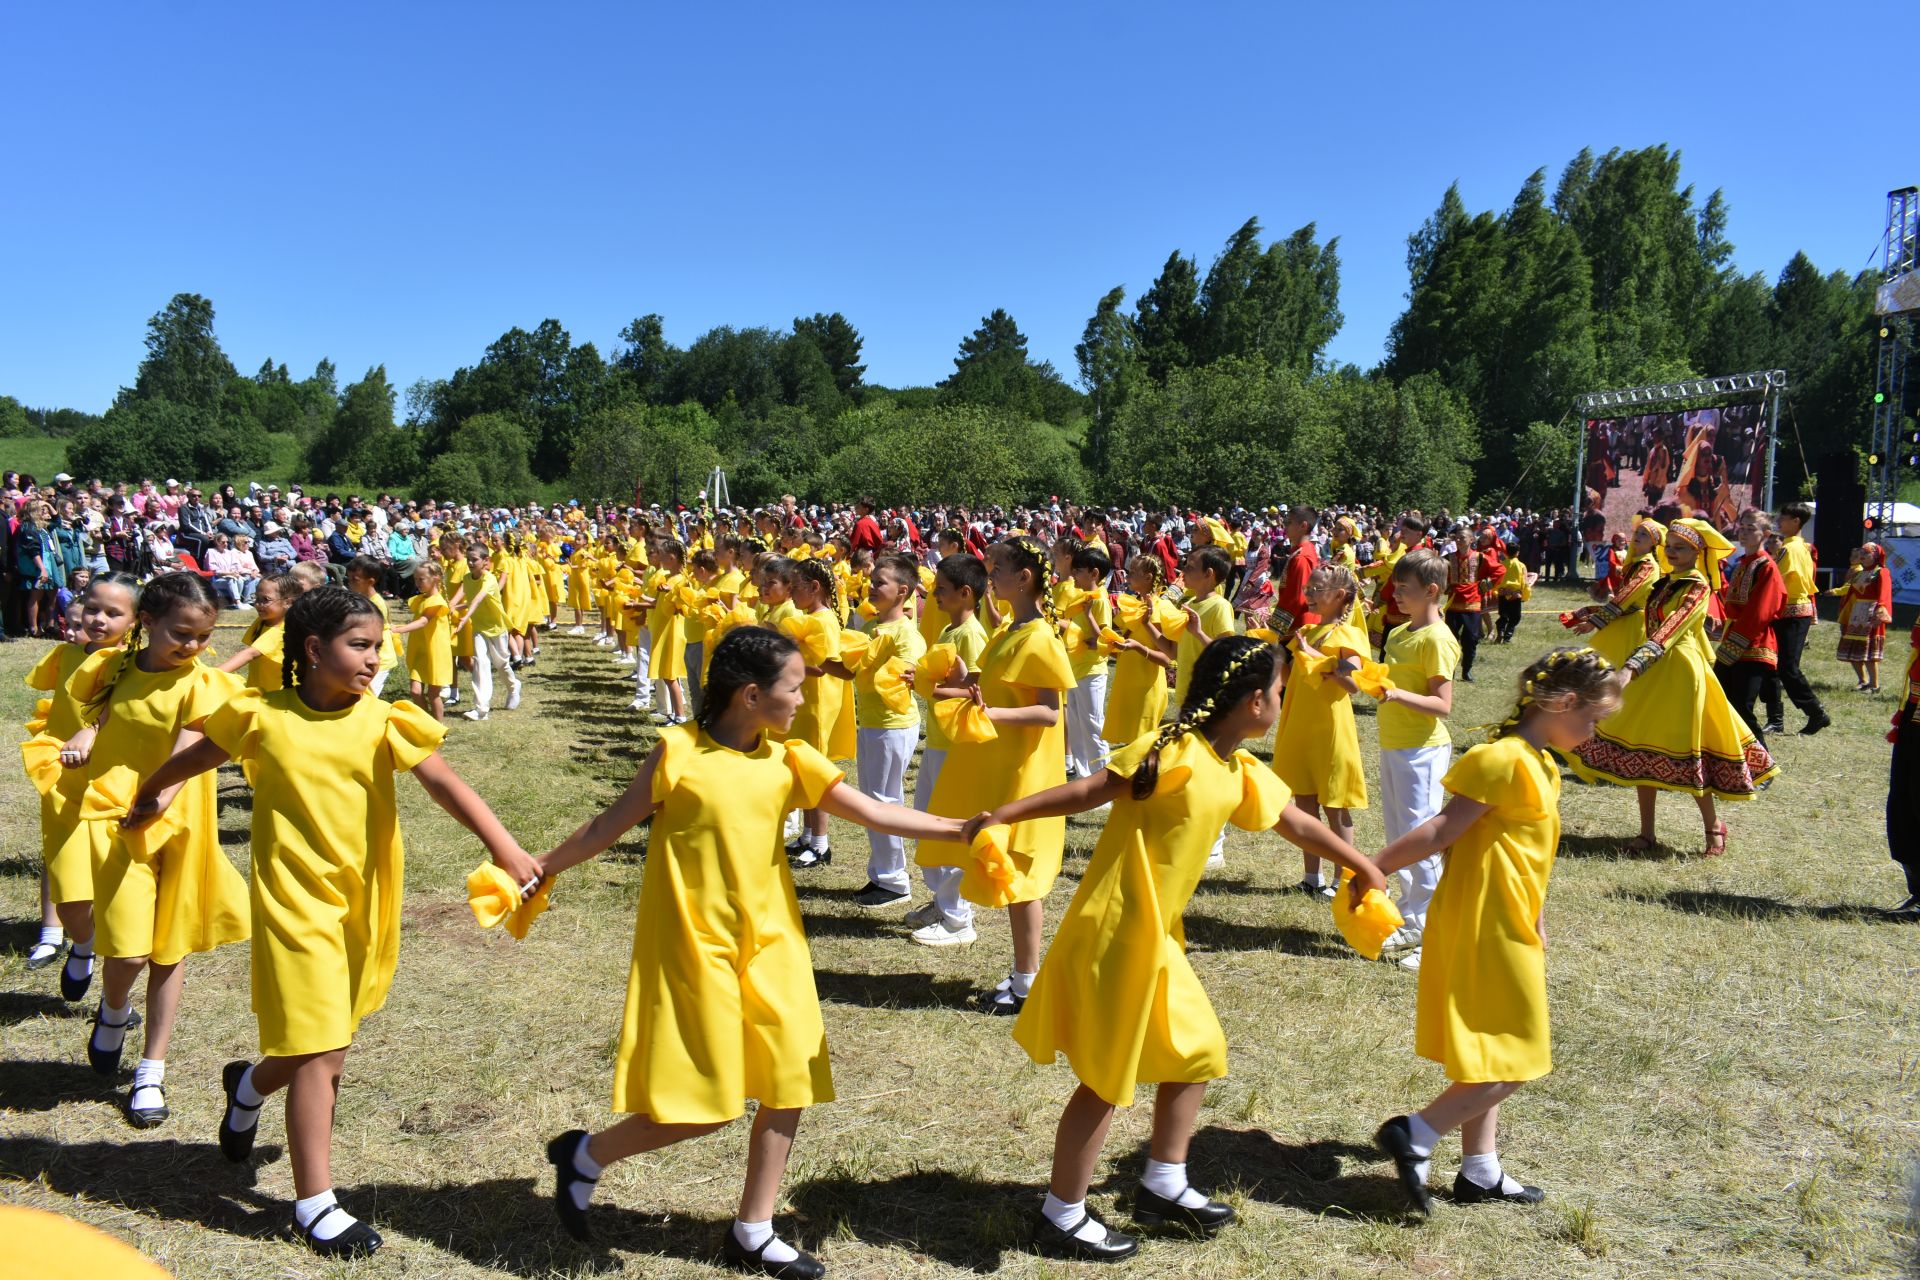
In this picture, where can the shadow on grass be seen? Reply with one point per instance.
(18, 936)
(44, 1085)
(508, 1224)
(1214, 887)
(1321, 1177)
(24, 1006)
(894, 990)
(185, 1181)
(1742, 906)
(20, 866)
(964, 1222)
(1616, 849)
(1210, 933)
(824, 892)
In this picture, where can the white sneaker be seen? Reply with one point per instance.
(576, 631)
(626, 659)
(1329, 889)
(513, 697)
(475, 714)
(637, 704)
(1411, 960)
(660, 717)
(921, 916)
(1405, 937)
(1217, 861)
(938, 935)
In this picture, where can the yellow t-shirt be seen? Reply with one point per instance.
(890, 640)
(1217, 614)
(969, 640)
(488, 617)
(1414, 658)
(1084, 653)
(1796, 569)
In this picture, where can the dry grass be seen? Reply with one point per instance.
(1737, 1061)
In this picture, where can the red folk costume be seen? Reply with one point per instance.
(1867, 608)
(1290, 611)
(1753, 598)
(1465, 569)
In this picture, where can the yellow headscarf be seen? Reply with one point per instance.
(1659, 540)
(1713, 546)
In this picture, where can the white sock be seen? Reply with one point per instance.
(819, 842)
(752, 1235)
(1170, 1182)
(1425, 1136)
(1313, 880)
(112, 1031)
(245, 1111)
(150, 1074)
(309, 1213)
(583, 1164)
(80, 963)
(1021, 983)
(1484, 1171)
(1072, 1217)
(50, 935)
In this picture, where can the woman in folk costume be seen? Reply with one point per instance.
(1864, 615)
(1675, 730)
(1616, 626)
(1747, 656)
(1658, 472)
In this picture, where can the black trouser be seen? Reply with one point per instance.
(1465, 626)
(1903, 799)
(1509, 618)
(1790, 638)
(1743, 681)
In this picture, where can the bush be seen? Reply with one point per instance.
(390, 458)
(158, 438)
(454, 477)
(496, 449)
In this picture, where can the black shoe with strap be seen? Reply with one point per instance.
(1467, 1191)
(147, 1117)
(1108, 1246)
(75, 989)
(810, 857)
(103, 1061)
(236, 1144)
(1150, 1209)
(1395, 1137)
(878, 895)
(357, 1241)
(565, 1178)
(802, 1267)
(1002, 1002)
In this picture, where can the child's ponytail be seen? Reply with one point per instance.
(1556, 682)
(1229, 670)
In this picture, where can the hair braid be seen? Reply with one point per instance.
(816, 572)
(324, 613)
(1558, 680)
(1033, 558)
(1227, 672)
(157, 600)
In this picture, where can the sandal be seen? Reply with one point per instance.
(1717, 840)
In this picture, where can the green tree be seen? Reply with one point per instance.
(1281, 303)
(647, 360)
(839, 343)
(498, 451)
(660, 453)
(14, 420)
(993, 371)
(184, 364)
(1109, 359)
(1169, 320)
(365, 414)
(950, 453)
(153, 438)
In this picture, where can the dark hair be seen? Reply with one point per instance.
(817, 572)
(1558, 680)
(114, 578)
(964, 570)
(744, 656)
(900, 563)
(323, 612)
(1227, 672)
(1091, 558)
(1304, 511)
(671, 547)
(285, 585)
(1214, 561)
(706, 561)
(159, 598)
(365, 567)
(1797, 511)
(782, 569)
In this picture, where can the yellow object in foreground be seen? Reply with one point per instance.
(48, 1246)
(962, 720)
(495, 899)
(1367, 926)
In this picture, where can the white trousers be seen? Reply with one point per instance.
(880, 762)
(488, 650)
(1086, 714)
(942, 882)
(1410, 793)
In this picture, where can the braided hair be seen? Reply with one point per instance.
(324, 613)
(1154, 567)
(1557, 681)
(1030, 556)
(1330, 577)
(1228, 671)
(744, 656)
(158, 600)
(817, 572)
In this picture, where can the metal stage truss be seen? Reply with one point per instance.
(1769, 384)
(1893, 454)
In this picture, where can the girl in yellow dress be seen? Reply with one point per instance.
(453, 576)
(1138, 700)
(721, 1004)
(580, 575)
(159, 898)
(260, 650)
(429, 641)
(1024, 676)
(1116, 994)
(1482, 1010)
(66, 882)
(822, 722)
(1617, 625)
(327, 876)
(1316, 748)
(666, 634)
(1675, 730)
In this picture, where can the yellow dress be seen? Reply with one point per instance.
(70, 879)
(825, 720)
(1482, 1009)
(1675, 729)
(1020, 760)
(1115, 993)
(430, 649)
(1620, 622)
(1217, 614)
(389, 651)
(454, 573)
(188, 898)
(551, 570)
(1316, 746)
(666, 629)
(931, 618)
(266, 672)
(721, 1005)
(580, 570)
(1137, 695)
(327, 858)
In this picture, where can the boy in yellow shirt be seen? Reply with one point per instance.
(1415, 749)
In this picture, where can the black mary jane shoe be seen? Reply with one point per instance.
(72, 989)
(1111, 1246)
(1395, 1137)
(107, 1064)
(565, 1178)
(147, 1117)
(1467, 1191)
(42, 955)
(741, 1258)
(877, 895)
(810, 857)
(1002, 1003)
(357, 1241)
(1151, 1209)
(236, 1144)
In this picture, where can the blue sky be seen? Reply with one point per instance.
(401, 183)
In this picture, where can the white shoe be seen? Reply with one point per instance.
(513, 697)
(938, 935)
(1406, 937)
(1411, 960)
(625, 659)
(475, 714)
(637, 705)
(1217, 861)
(576, 631)
(1329, 889)
(925, 914)
(660, 717)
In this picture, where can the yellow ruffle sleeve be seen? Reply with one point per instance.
(1262, 795)
(41, 710)
(935, 665)
(1040, 662)
(854, 647)
(813, 776)
(41, 756)
(110, 794)
(412, 735)
(810, 633)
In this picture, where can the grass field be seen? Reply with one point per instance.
(1737, 1058)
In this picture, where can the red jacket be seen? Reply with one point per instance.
(1753, 596)
(1290, 611)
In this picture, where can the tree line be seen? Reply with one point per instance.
(1212, 387)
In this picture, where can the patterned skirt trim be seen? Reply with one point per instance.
(1601, 759)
